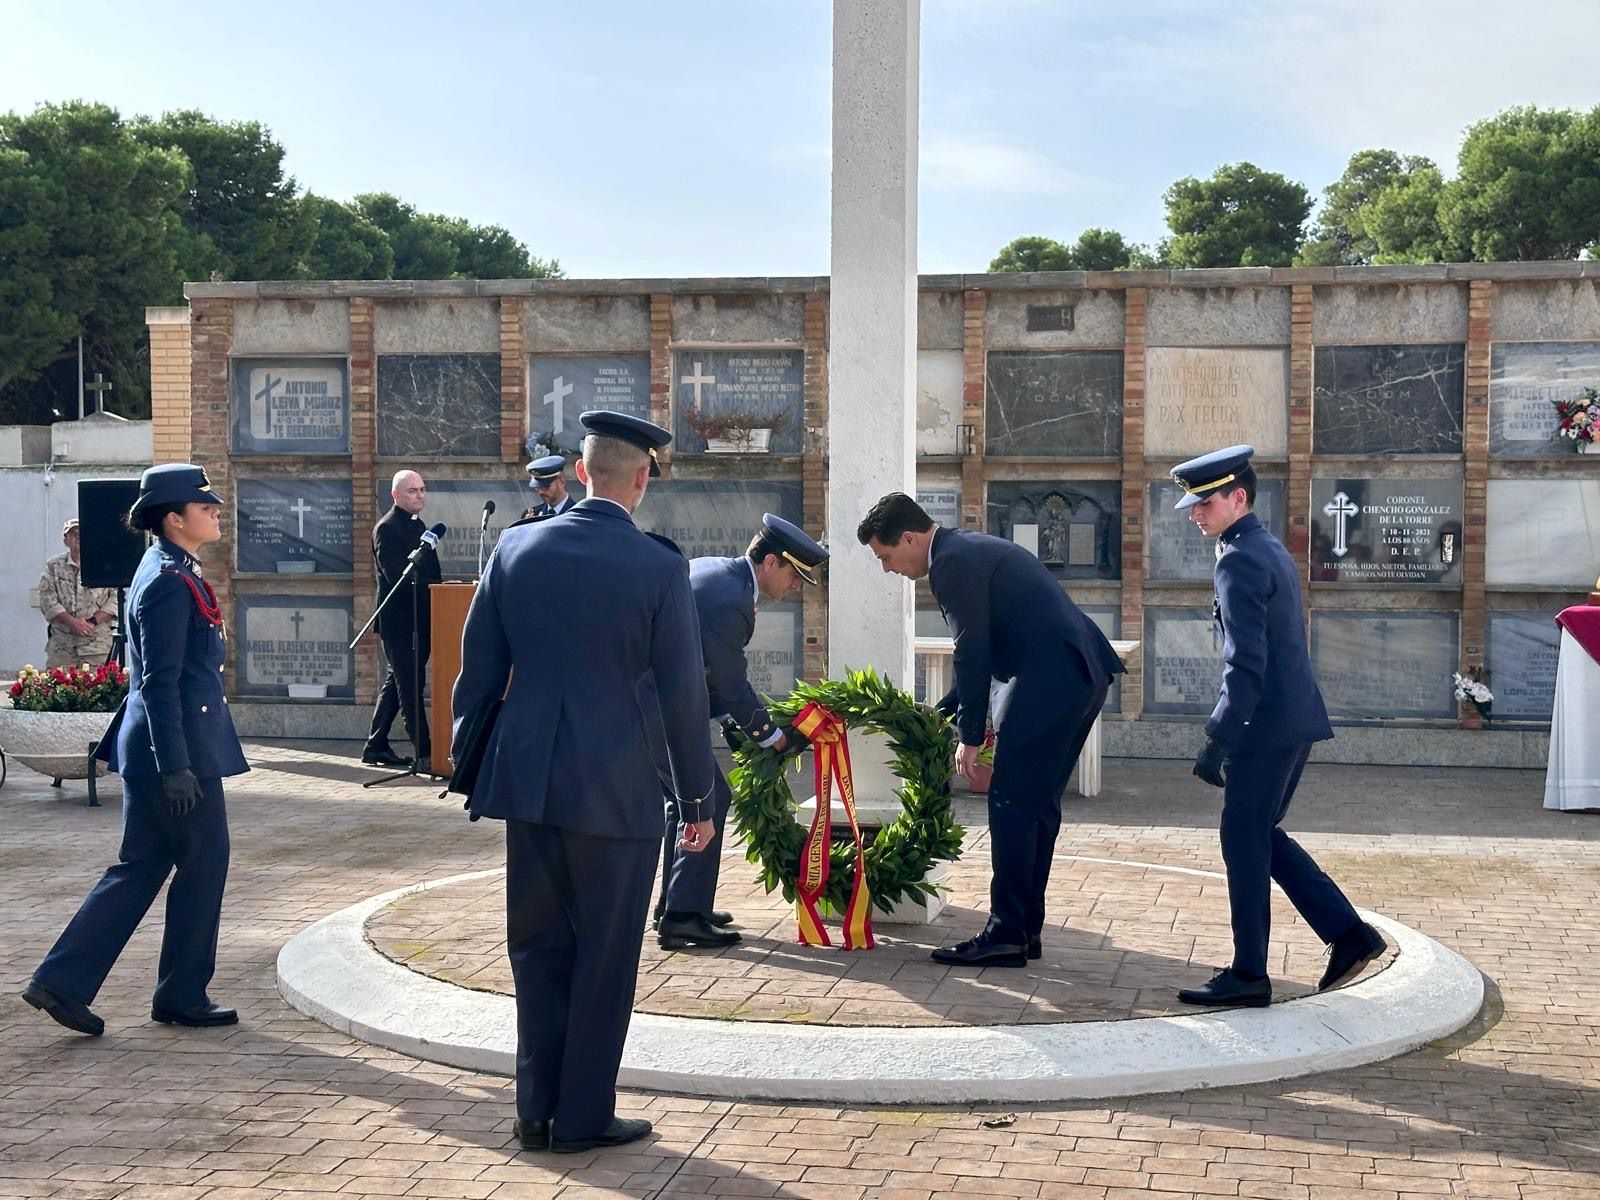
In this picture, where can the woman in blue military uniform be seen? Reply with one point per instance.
(173, 742)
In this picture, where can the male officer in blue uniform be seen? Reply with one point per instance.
(173, 742)
(568, 767)
(781, 558)
(548, 478)
(1267, 718)
(1013, 622)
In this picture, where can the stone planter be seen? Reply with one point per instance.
(52, 743)
(749, 441)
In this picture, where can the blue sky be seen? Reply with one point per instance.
(691, 138)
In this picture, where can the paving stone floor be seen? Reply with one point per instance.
(282, 1107)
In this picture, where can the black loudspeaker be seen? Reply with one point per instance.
(108, 551)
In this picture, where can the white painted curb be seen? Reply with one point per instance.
(330, 972)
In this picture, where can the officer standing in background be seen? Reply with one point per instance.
(397, 533)
(549, 480)
(1011, 621)
(78, 619)
(172, 741)
(568, 767)
(781, 558)
(1267, 718)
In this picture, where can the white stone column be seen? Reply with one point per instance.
(872, 323)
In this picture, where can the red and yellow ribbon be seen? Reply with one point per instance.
(830, 747)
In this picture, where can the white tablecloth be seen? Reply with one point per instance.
(1572, 780)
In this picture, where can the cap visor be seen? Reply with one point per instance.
(1188, 500)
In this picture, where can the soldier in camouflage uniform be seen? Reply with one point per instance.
(79, 618)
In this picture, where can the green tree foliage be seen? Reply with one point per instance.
(1527, 186)
(1240, 217)
(345, 244)
(1403, 221)
(430, 246)
(1095, 250)
(89, 217)
(1032, 254)
(1341, 236)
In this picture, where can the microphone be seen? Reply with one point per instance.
(430, 539)
(488, 511)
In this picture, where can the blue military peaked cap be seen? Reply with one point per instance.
(803, 552)
(175, 483)
(1200, 477)
(551, 466)
(634, 430)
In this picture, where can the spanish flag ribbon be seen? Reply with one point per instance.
(830, 747)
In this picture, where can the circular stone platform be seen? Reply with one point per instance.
(423, 970)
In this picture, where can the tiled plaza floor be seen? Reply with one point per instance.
(282, 1107)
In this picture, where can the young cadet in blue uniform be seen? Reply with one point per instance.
(568, 767)
(1267, 718)
(1011, 621)
(172, 741)
(549, 480)
(781, 558)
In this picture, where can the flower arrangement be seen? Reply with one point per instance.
(1578, 415)
(70, 689)
(1473, 687)
(734, 425)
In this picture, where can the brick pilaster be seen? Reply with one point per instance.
(661, 371)
(1135, 489)
(1475, 445)
(814, 482)
(364, 485)
(1302, 386)
(210, 343)
(974, 345)
(169, 384)
(513, 378)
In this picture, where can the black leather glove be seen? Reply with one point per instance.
(795, 742)
(1208, 763)
(732, 735)
(181, 791)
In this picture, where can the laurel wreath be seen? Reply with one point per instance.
(898, 857)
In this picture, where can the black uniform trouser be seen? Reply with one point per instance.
(1025, 812)
(1255, 851)
(154, 842)
(399, 694)
(689, 879)
(575, 911)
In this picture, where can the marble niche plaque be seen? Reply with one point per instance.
(1386, 664)
(774, 653)
(1525, 379)
(290, 406)
(1389, 399)
(763, 387)
(1543, 532)
(1182, 661)
(439, 405)
(295, 526)
(563, 386)
(1394, 532)
(940, 386)
(1074, 528)
(1198, 400)
(715, 517)
(1178, 551)
(942, 504)
(1054, 404)
(458, 504)
(296, 646)
(1523, 650)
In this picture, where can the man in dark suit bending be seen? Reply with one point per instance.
(1011, 622)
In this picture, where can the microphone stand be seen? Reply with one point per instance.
(483, 534)
(416, 769)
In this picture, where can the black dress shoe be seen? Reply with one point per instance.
(62, 1011)
(383, 757)
(201, 1016)
(1351, 952)
(532, 1135)
(1035, 949)
(1230, 990)
(620, 1132)
(680, 932)
(981, 952)
(719, 918)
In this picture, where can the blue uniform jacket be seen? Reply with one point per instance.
(174, 715)
(1011, 620)
(570, 747)
(725, 599)
(1269, 696)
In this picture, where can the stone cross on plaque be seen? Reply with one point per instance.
(560, 389)
(300, 508)
(297, 620)
(698, 380)
(1340, 508)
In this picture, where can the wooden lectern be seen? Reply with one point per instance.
(450, 603)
